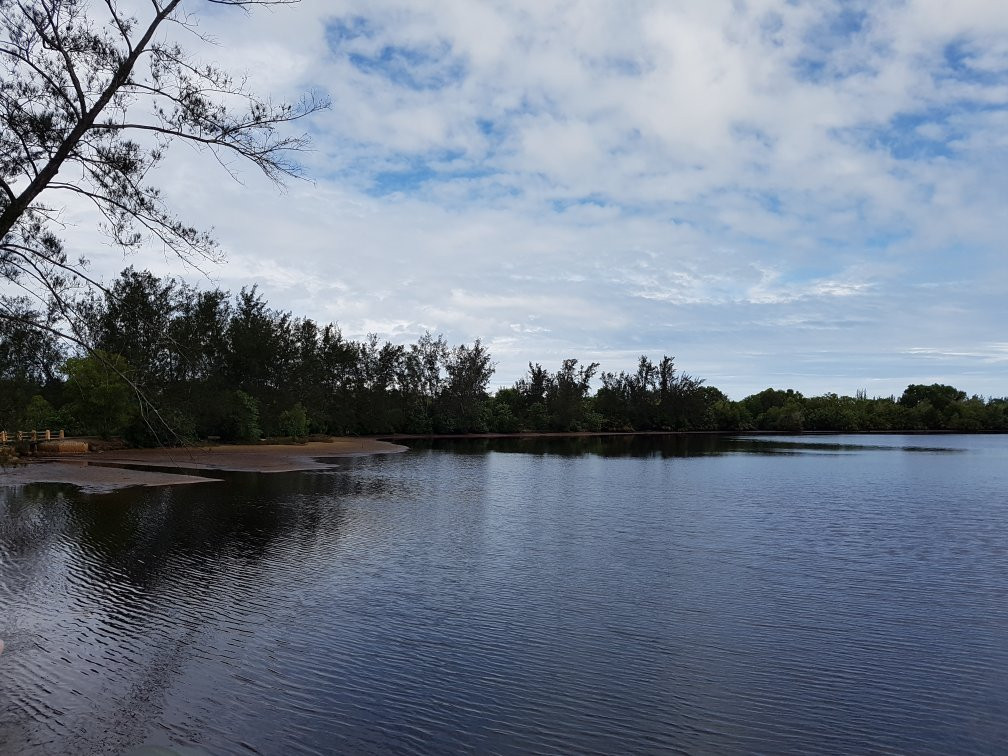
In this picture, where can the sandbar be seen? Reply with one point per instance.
(110, 470)
(251, 458)
(92, 478)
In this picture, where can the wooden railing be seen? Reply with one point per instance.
(32, 435)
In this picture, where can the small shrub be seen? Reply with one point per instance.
(100, 398)
(170, 427)
(39, 414)
(294, 422)
(8, 457)
(240, 423)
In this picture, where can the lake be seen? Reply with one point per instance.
(826, 594)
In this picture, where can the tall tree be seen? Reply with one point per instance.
(100, 397)
(28, 350)
(421, 380)
(199, 335)
(90, 98)
(134, 321)
(29, 359)
(469, 371)
(253, 335)
(566, 394)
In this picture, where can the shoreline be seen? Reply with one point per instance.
(392, 437)
(102, 472)
(106, 471)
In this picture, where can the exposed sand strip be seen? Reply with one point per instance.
(92, 478)
(108, 471)
(255, 458)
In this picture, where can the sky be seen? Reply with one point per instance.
(794, 194)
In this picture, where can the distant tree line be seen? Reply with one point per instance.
(168, 362)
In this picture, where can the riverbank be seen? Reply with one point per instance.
(700, 433)
(111, 470)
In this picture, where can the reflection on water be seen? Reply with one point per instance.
(774, 444)
(680, 445)
(607, 594)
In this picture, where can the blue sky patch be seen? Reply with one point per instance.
(618, 66)
(927, 134)
(823, 43)
(771, 202)
(560, 205)
(344, 30)
(907, 137)
(959, 57)
(415, 173)
(411, 67)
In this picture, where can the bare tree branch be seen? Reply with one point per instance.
(90, 99)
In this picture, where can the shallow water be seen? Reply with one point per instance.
(796, 594)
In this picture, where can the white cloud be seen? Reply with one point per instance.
(723, 181)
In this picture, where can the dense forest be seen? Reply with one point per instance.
(171, 363)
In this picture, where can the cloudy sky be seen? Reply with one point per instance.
(806, 194)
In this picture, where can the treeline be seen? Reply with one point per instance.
(933, 407)
(169, 362)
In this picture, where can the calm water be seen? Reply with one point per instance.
(833, 594)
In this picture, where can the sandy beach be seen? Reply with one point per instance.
(111, 470)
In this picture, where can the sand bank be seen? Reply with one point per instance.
(106, 471)
(256, 458)
(92, 478)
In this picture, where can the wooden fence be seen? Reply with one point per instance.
(32, 435)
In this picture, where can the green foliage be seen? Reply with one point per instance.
(14, 397)
(29, 351)
(169, 427)
(500, 411)
(536, 418)
(726, 415)
(462, 398)
(30, 358)
(592, 421)
(655, 397)
(101, 398)
(234, 368)
(39, 415)
(294, 422)
(239, 423)
(790, 417)
(937, 395)
(760, 406)
(133, 319)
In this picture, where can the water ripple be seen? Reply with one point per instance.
(520, 603)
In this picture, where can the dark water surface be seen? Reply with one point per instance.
(828, 594)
